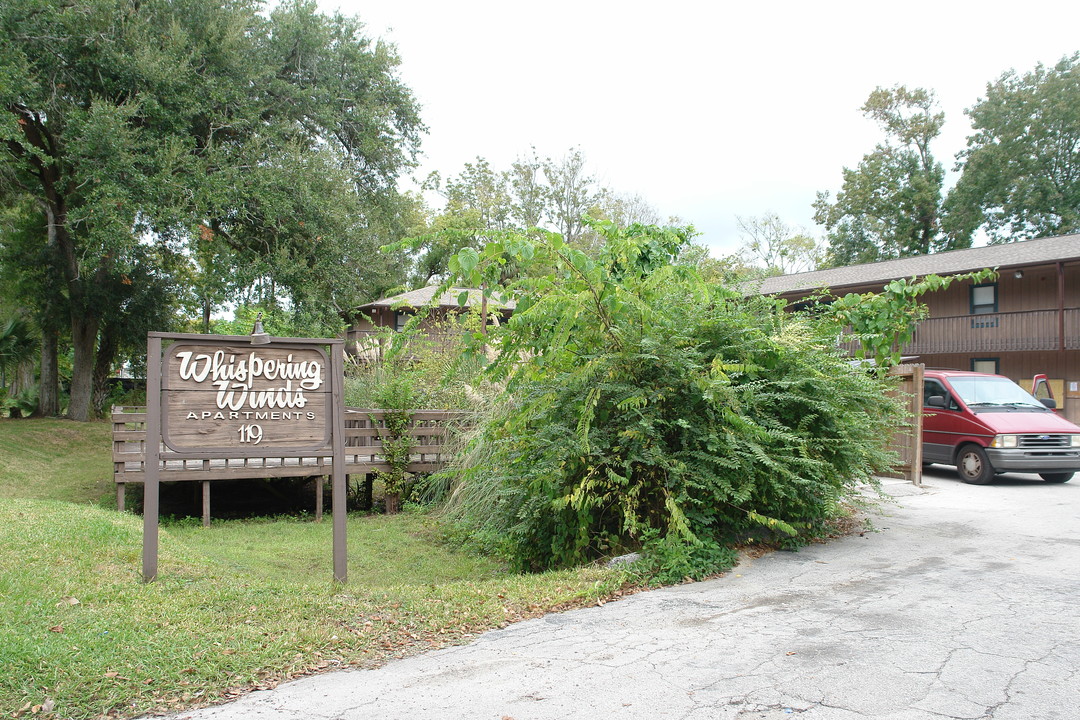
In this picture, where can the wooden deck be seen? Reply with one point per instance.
(363, 446)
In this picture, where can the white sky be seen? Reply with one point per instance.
(708, 110)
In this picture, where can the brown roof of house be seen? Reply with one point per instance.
(423, 298)
(1028, 252)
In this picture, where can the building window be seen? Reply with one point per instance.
(400, 318)
(984, 301)
(986, 365)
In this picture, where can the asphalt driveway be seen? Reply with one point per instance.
(963, 602)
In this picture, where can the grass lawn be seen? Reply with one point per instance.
(237, 606)
(57, 460)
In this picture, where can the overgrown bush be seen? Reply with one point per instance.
(419, 368)
(398, 398)
(439, 373)
(647, 407)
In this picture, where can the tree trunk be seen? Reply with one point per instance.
(103, 360)
(393, 503)
(84, 316)
(84, 330)
(49, 386)
(366, 488)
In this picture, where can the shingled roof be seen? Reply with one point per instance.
(1028, 252)
(422, 298)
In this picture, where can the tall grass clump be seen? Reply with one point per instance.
(425, 365)
(646, 408)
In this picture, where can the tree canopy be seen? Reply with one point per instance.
(776, 247)
(265, 146)
(890, 205)
(1021, 169)
(554, 194)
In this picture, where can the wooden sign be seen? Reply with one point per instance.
(230, 398)
(227, 396)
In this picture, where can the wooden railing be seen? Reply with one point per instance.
(994, 332)
(363, 452)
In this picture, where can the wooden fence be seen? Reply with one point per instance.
(363, 453)
(906, 441)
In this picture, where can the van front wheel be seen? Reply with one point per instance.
(1056, 477)
(973, 465)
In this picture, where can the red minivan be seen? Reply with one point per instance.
(987, 424)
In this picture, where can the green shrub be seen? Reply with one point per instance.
(398, 398)
(644, 403)
(438, 372)
(667, 559)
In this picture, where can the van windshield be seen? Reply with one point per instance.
(980, 393)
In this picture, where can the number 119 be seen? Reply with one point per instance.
(250, 434)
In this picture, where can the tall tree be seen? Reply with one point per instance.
(30, 279)
(890, 205)
(476, 202)
(134, 119)
(571, 194)
(775, 246)
(481, 203)
(528, 192)
(625, 209)
(1021, 168)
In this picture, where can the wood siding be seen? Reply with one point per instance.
(1035, 330)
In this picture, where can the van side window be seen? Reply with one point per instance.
(933, 387)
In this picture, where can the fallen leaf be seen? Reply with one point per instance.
(48, 706)
(68, 600)
(111, 674)
(57, 629)
(790, 653)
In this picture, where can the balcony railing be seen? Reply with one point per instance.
(1072, 329)
(993, 332)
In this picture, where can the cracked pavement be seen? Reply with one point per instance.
(963, 602)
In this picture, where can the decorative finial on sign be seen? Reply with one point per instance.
(258, 335)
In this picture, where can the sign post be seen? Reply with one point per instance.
(225, 396)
